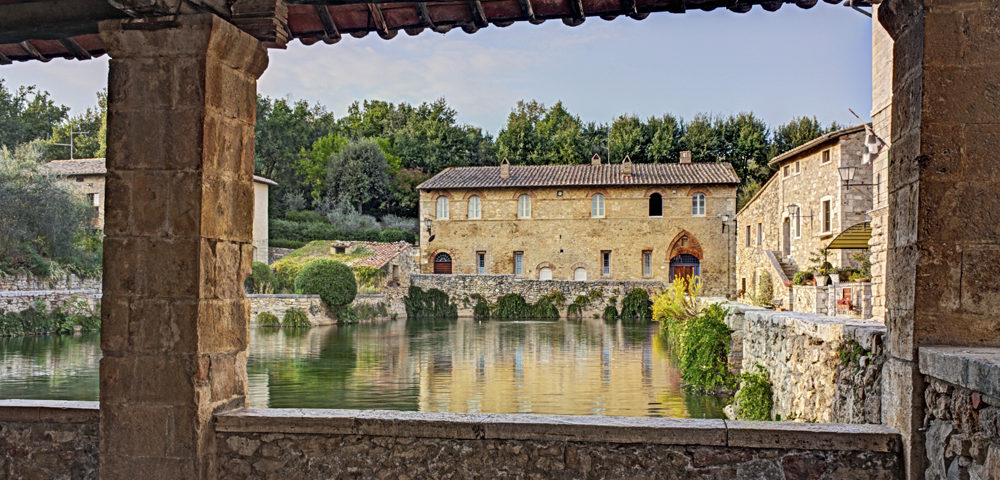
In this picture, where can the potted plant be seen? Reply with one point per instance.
(824, 268)
(864, 270)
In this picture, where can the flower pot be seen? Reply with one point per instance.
(820, 280)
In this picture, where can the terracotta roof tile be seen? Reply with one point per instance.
(583, 175)
(383, 253)
(96, 166)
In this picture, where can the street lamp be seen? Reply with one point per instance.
(427, 223)
(847, 175)
(725, 219)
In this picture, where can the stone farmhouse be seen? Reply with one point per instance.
(802, 209)
(654, 222)
(86, 177)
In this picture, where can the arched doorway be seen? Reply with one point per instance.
(442, 263)
(786, 237)
(683, 266)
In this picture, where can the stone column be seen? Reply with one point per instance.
(181, 112)
(943, 256)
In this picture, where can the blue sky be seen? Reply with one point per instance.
(778, 65)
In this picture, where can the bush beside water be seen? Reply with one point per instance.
(295, 318)
(636, 307)
(268, 320)
(705, 351)
(433, 303)
(333, 281)
(755, 397)
(38, 320)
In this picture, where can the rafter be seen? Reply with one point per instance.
(78, 51)
(4, 60)
(478, 15)
(424, 14)
(329, 27)
(529, 12)
(381, 26)
(28, 47)
(578, 15)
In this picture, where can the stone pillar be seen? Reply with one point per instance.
(943, 256)
(181, 112)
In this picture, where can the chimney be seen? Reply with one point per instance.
(504, 169)
(627, 166)
(595, 160)
(686, 156)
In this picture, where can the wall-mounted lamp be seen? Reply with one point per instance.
(427, 223)
(796, 211)
(725, 219)
(847, 177)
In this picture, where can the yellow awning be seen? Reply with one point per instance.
(856, 236)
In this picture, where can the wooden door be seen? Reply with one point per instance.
(442, 264)
(683, 272)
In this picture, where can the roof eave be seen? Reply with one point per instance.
(829, 137)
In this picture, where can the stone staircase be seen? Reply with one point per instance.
(787, 267)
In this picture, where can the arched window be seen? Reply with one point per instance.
(442, 208)
(524, 206)
(683, 266)
(545, 273)
(580, 274)
(656, 205)
(698, 204)
(597, 205)
(475, 208)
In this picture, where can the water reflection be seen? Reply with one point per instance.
(585, 367)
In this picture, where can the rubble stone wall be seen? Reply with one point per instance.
(48, 439)
(23, 282)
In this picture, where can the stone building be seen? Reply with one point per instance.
(801, 209)
(582, 222)
(86, 177)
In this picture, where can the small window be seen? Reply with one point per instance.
(606, 262)
(524, 206)
(825, 156)
(747, 236)
(481, 263)
(442, 208)
(798, 168)
(798, 224)
(339, 250)
(597, 205)
(760, 234)
(786, 171)
(698, 205)
(518, 263)
(744, 284)
(97, 200)
(647, 263)
(826, 215)
(79, 179)
(475, 208)
(656, 205)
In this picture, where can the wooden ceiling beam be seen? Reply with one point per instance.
(5, 60)
(380, 24)
(329, 26)
(424, 14)
(529, 11)
(53, 19)
(31, 50)
(578, 14)
(478, 15)
(78, 51)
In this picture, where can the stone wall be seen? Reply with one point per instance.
(461, 289)
(822, 369)
(562, 236)
(961, 412)
(17, 301)
(314, 307)
(823, 300)
(371, 444)
(48, 439)
(63, 282)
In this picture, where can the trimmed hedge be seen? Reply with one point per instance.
(332, 281)
(287, 232)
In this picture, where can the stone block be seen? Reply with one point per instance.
(979, 286)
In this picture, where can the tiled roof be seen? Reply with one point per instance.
(583, 175)
(383, 253)
(816, 142)
(88, 166)
(96, 166)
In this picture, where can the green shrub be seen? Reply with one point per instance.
(261, 280)
(802, 278)
(610, 314)
(636, 307)
(332, 281)
(513, 307)
(285, 243)
(575, 309)
(347, 314)
(267, 320)
(675, 307)
(305, 216)
(295, 318)
(38, 320)
(430, 304)
(545, 309)
(705, 351)
(754, 399)
(764, 295)
(481, 311)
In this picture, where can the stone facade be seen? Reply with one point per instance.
(822, 369)
(90, 188)
(562, 236)
(806, 177)
(48, 439)
(882, 126)
(829, 300)
(463, 288)
(18, 301)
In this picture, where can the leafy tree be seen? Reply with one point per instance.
(403, 198)
(666, 134)
(89, 133)
(312, 163)
(357, 174)
(628, 136)
(798, 131)
(27, 114)
(519, 140)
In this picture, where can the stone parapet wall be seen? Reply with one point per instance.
(822, 369)
(384, 444)
(48, 439)
(462, 288)
(314, 307)
(823, 300)
(961, 412)
(11, 302)
(25, 282)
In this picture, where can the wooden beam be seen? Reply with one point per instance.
(329, 27)
(78, 51)
(529, 12)
(53, 19)
(424, 14)
(478, 15)
(577, 7)
(4, 60)
(28, 47)
(381, 26)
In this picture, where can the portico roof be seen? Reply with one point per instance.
(46, 29)
(96, 166)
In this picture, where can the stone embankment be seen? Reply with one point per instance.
(463, 288)
(19, 292)
(315, 309)
(822, 369)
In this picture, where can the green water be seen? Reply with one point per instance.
(585, 368)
